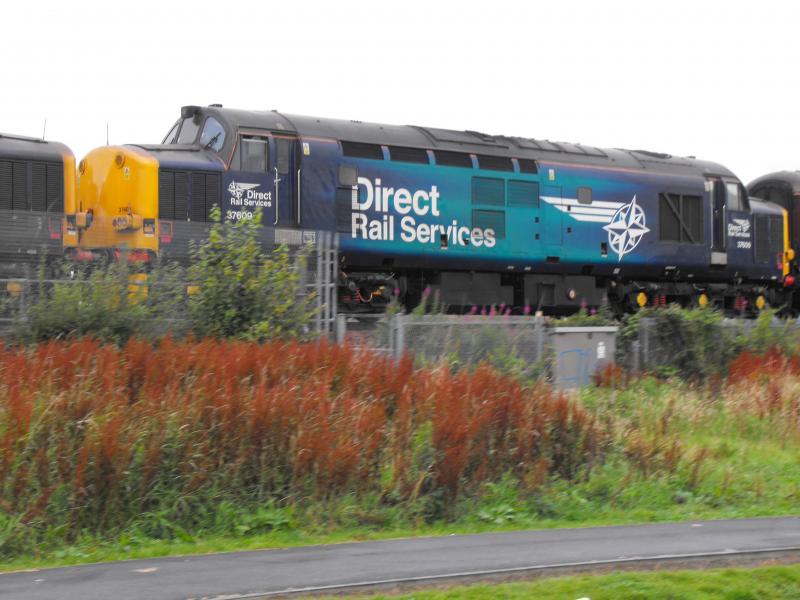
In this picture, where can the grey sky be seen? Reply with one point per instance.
(711, 79)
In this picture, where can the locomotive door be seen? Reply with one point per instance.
(524, 218)
(285, 169)
(552, 217)
(716, 188)
(249, 181)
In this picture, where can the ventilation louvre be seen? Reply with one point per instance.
(361, 150)
(6, 187)
(188, 195)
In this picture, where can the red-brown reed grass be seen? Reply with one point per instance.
(767, 386)
(92, 435)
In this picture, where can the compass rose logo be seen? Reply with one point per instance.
(237, 189)
(626, 228)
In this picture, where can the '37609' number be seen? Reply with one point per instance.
(238, 215)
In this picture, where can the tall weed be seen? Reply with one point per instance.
(96, 438)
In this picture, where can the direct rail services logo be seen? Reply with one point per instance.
(246, 194)
(739, 228)
(385, 203)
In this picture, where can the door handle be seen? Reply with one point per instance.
(298, 196)
(277, 197)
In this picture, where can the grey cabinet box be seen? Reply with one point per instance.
(578, 352)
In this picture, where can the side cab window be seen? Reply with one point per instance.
(251, 155)
(172, 136)
(736, 196)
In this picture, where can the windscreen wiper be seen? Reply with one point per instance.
(212, 141)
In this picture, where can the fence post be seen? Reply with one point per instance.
(636, 349)
(341, 329)
(391, 325)
(332, 274)
(26, 297)
(644, 334)
(318, 283)
(399, 335)
(539, 334)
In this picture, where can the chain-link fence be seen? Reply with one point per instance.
(20, 298)
(29, 239)
(33, 246)
(430, 338)
(43, 252)
(367, 331)
(525, 346)
(694, 346)
(702, 347)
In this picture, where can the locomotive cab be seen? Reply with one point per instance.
(783, 189)
(154, 199)
(195, 128)
(263, 164)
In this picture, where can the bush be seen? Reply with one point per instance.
(698, 343)
(112, 303)
(244, 291)
(602, 317)
(241, 291)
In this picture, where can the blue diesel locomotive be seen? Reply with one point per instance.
(782, 189)
(479, 219)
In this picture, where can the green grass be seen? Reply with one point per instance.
(748, 467)
(773, 583)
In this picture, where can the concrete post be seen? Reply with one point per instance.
(341, 328)
(399, 335)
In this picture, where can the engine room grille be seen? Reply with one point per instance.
(495, 163)
(680, 218)
(412, 155)
(769, 236)
(187, 195)
(31, 185)
(361, 150)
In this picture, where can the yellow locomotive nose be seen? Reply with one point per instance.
(117, 200)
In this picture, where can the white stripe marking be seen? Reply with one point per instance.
(592, 218)
(586, 210)
(595, 203)
(574, 202)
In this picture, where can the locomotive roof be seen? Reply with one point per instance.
(792, 178)
(27, 148)
(762, 206)
(461, 141)
(176, 155)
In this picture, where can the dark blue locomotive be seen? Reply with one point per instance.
(480, 219)
(782, 189)
(37, 184)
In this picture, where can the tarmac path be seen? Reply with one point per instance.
(360, 565)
